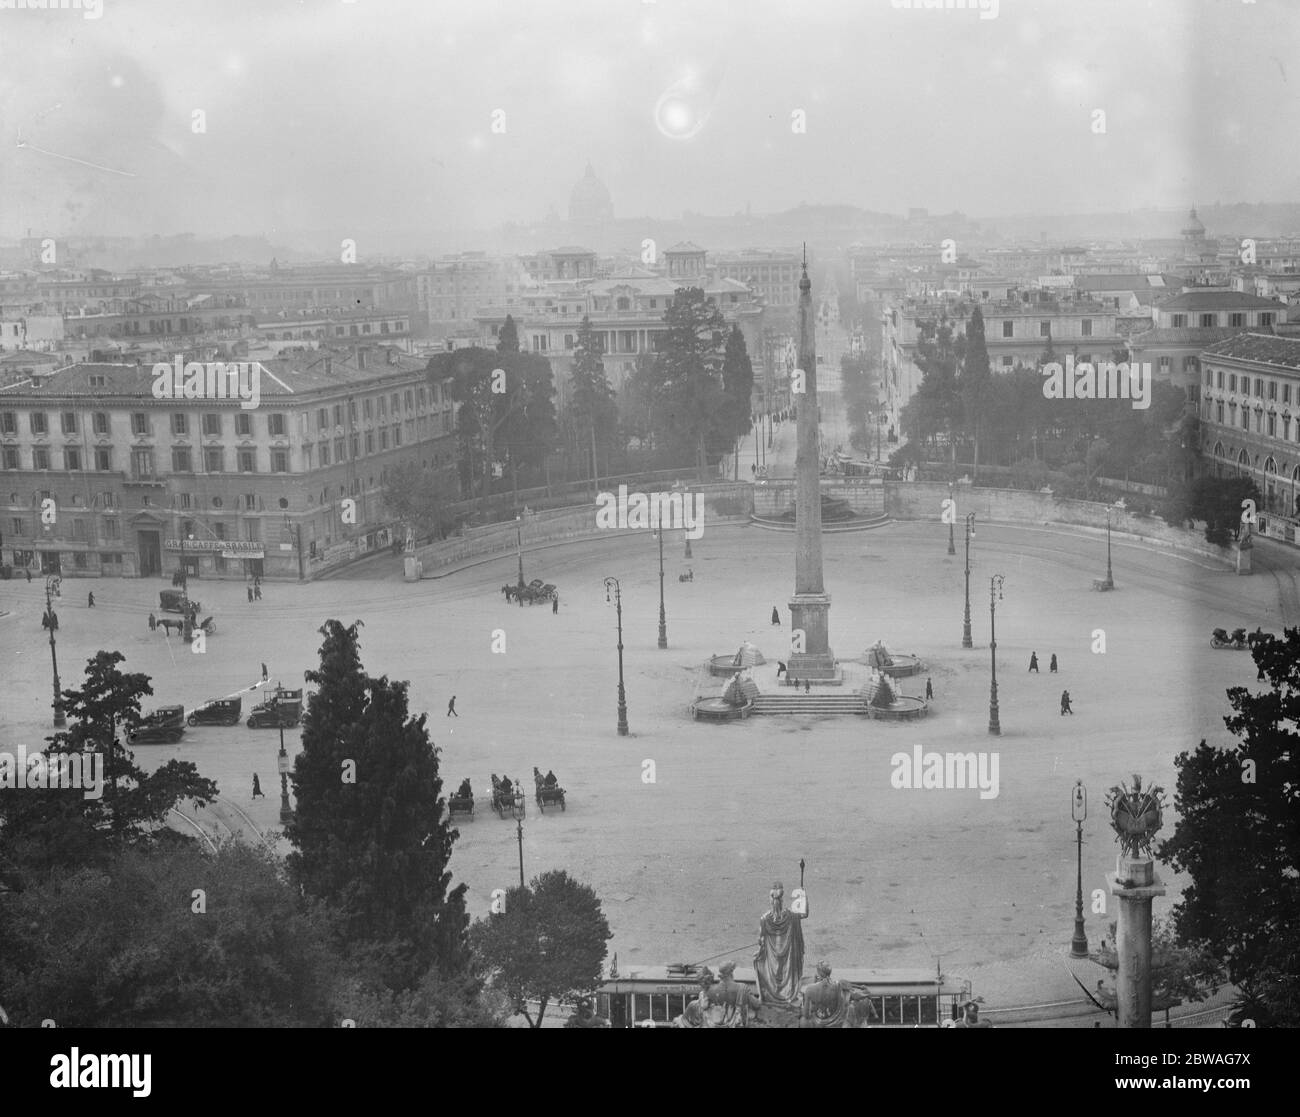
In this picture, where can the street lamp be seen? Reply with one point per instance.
(1079, 812)
(519, 809)
(286, 811)
(663, 621)
(52, 587)
(519, 546)
(686, 536)
(952, 548)
(995, 595)
(1110, 581)
(965, 624)
(611, 584)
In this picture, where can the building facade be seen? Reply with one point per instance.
(100, 477)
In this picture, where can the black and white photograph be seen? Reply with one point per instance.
(631, 514)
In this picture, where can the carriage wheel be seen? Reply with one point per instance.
(250, 723)
(191, 721)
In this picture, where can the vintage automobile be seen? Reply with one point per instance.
(216, 711)
(282, 710)
(165, 724)
(176, 601)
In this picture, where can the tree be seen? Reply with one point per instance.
(975, 386)
(63, 828)
(1217, 501)
(166, 937)
(592, 406)
(688, 404)
(1238, 837)
(370, 836)
(548, 944)
(738, 383)
(418, 496)
(508, 338)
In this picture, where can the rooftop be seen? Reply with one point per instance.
(1264, 349)
(1218, 299)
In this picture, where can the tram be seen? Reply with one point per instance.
(653, 996)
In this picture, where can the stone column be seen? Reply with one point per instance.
(1135, 883)
(810, 605)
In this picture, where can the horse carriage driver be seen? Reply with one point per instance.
(464, 792)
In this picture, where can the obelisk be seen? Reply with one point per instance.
(810, 653)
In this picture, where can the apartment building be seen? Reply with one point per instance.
(284, 489)
(1250, 421)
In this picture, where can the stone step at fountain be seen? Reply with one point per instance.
(863, 522)
(809, 704)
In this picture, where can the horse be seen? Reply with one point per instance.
(509, 591)
(167, 625)
(1256, 637)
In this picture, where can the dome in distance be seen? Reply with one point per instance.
(590, 199)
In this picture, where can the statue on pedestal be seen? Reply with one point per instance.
(1135, 816)
(779, 961)
(829, 1004)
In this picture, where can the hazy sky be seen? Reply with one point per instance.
(325, 114)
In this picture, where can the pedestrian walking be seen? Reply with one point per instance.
(153, 622)
(29, 576)
(257, 590)
(90, 600)
(264, 674)
(1065, 704)
(555, 604)
(1051, 668)
(451, 708)
(776, 617)
(257, 787)
(929, 689)
(250, 594)
(807, 686)
(1033, 662)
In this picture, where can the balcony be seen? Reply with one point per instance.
(144, 482)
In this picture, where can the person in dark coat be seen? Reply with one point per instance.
(257, 787)
(464, 792)
(555, 604)
(29, 577)
(90, 600)
(153, 622)
(1065, 704)
(807, 686)
(257, 590)
(451, 708)
(550, 780)
(264, 675)
(1051, 667)
(929, 689)
(776, 617)
(1033, 662)
(250, 595)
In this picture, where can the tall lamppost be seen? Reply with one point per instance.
(687, 537)
(1079, 812)
(965, 624)
(611, 585)
(52, 587)
(519, 546)
(663, 620)
(1110, 581)
(519, 809)
(995, 595)
(952, 547)
(286, 811)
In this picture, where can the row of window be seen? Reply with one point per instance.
(142, 461)
(1236, 320)
(1265, 423)
(1260, 385)
(376, 405)
(109, 528)
(38, 422)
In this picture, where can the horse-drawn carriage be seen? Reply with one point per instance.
(460, 804)
(505, 799)
(535, 591)
(547, 793)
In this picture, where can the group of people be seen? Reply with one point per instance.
(1052, 670)
(255, 590)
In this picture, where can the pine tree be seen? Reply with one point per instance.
(508, 338)
(592, 404)
(738, 383)
(370, 835)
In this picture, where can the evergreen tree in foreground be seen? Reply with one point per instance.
(370, 836)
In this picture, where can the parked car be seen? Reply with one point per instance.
(282, 709)
(176, 601)
(216, 711)
(167, 723)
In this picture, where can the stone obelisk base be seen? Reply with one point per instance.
(810, 612)
(1136, 885)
